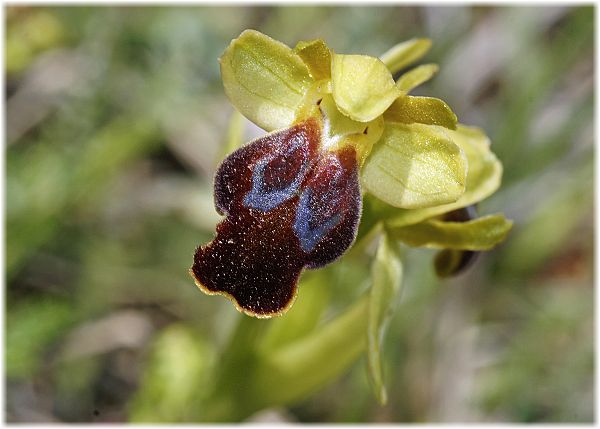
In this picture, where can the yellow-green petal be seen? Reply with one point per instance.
(405, 53)
(483, 178)
(363, 88)
(264, 79)
(317, 57)
(414, 166)
(415, 77)
(424, 110)
(479, 234)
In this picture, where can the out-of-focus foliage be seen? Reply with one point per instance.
(28, 338)
(116, 119)
(175, 377)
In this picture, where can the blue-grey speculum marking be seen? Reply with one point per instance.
(308, 234)
(261, 198)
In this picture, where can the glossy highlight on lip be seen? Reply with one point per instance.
(289, 205)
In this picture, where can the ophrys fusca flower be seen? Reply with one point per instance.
(338, 123)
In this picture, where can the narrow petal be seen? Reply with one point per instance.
(415, 77)
(264, 79)
(405, 53)
(363, 88)
(424, 110)
(317, 57)
(414, 166)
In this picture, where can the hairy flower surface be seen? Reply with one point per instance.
(289, 205)
(338, 123)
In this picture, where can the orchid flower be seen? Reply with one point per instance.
(340, 130)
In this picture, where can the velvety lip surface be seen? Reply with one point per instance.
(288, 206)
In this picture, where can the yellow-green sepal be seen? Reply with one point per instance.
(264, 79)
(405, 53)
(483, 177)
(317, 57)
(415, 166)
(479, 234)
(424, 110)
(363, 88)
(415, 77)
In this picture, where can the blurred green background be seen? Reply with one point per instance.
(116, 119)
